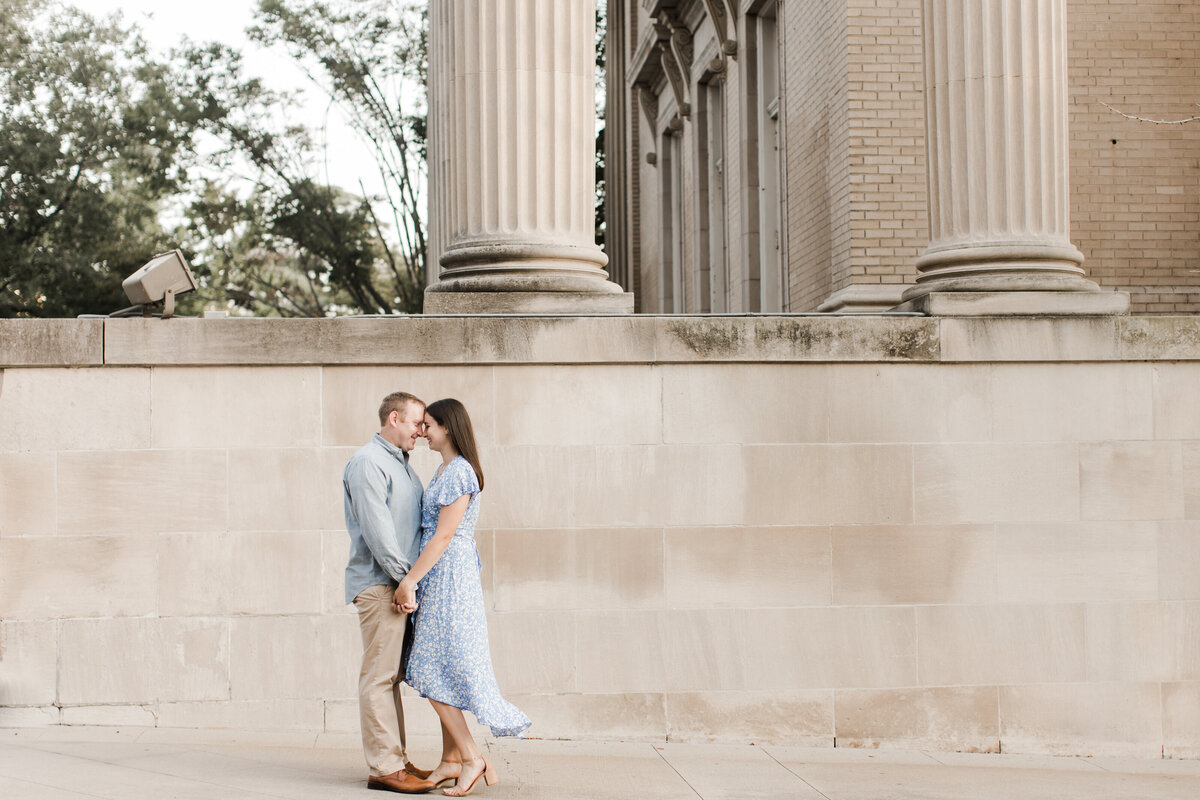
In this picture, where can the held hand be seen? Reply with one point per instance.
(404, 599)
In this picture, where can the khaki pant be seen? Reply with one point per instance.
(380, 712)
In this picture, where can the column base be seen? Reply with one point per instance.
(1000, 304)
(587, 303)
(860, 297)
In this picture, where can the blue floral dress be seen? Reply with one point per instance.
(450, 660)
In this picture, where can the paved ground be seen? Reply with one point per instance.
(133, 763)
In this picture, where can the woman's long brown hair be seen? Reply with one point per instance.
(452, 416)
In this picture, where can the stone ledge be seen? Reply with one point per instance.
(51, 342)
(1026, 304)
(528, 303)
(615, 339)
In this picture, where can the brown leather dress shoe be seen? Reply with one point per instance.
(413, 769)
(401, 782)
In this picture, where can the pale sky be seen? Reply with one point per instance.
(165, 23)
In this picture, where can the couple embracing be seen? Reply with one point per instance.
(413, 576)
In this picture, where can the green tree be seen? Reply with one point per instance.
(370, 58)
(92, 140)
(290, 244)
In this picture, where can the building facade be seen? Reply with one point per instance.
(770, 155)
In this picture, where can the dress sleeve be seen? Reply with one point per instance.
(458, 480)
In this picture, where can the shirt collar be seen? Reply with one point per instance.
(393, 451)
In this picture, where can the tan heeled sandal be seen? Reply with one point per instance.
(489, 777)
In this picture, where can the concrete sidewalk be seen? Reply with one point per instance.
(134, 763)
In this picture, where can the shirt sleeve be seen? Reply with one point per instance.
(459, 479)
(367, 487)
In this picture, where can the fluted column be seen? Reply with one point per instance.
(518, 140)
(437, 136)
(996, 138)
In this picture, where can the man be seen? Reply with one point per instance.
(383, 518)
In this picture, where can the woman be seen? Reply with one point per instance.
(450, 663)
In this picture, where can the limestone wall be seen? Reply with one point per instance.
(957, 533)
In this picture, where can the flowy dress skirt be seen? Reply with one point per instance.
(450, 660)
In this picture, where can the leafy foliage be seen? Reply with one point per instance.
(91, 139)
(371, 58)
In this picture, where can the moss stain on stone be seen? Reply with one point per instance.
(708, 338)
(914, 344)
(799, 335)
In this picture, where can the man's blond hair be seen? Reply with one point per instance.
(396, 401)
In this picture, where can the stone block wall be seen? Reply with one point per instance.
(976, 534)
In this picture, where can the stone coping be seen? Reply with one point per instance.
(633, 339)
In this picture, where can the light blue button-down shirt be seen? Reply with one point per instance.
(383, 516)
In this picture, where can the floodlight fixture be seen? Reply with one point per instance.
(158, 280)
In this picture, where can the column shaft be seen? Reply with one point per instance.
(996, 137)
(519, 143)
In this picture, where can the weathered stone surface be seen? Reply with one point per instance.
(51, 342)
(1179, 560)
(271, 715)
(616, 715)
(1077, 562)
(145, 491)
(705, 649)
(966, 482)
(1131, 480)
(796, 338)
(872, 403)
(74, 409)
(350, 398)
(1181, 623)
(237, 407)
(565, 303)
(1082, 719)
(1071, 402)
(489, 340)
(1181, 719)
(890, 565)
(639, 485)
(28, 716)
(110, 716)
(145, 660)
(1191, 480)
(1127, 642)
(85, 576)
(991, 645)
(274, 489)
(787, 718)
(578, 569)
(417, 340)
(964, 718)
(218, 574)
(586, 405)
(826, 484)
(28, 662)
(1155, 338)
(1029, 339)
(184, 341)
(295, 657)
(831, 648)
(599, 635)
(28, 487)
(1176, 392)
(1018, 303)
(742, 403)
(747, 567)
(550, 666)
